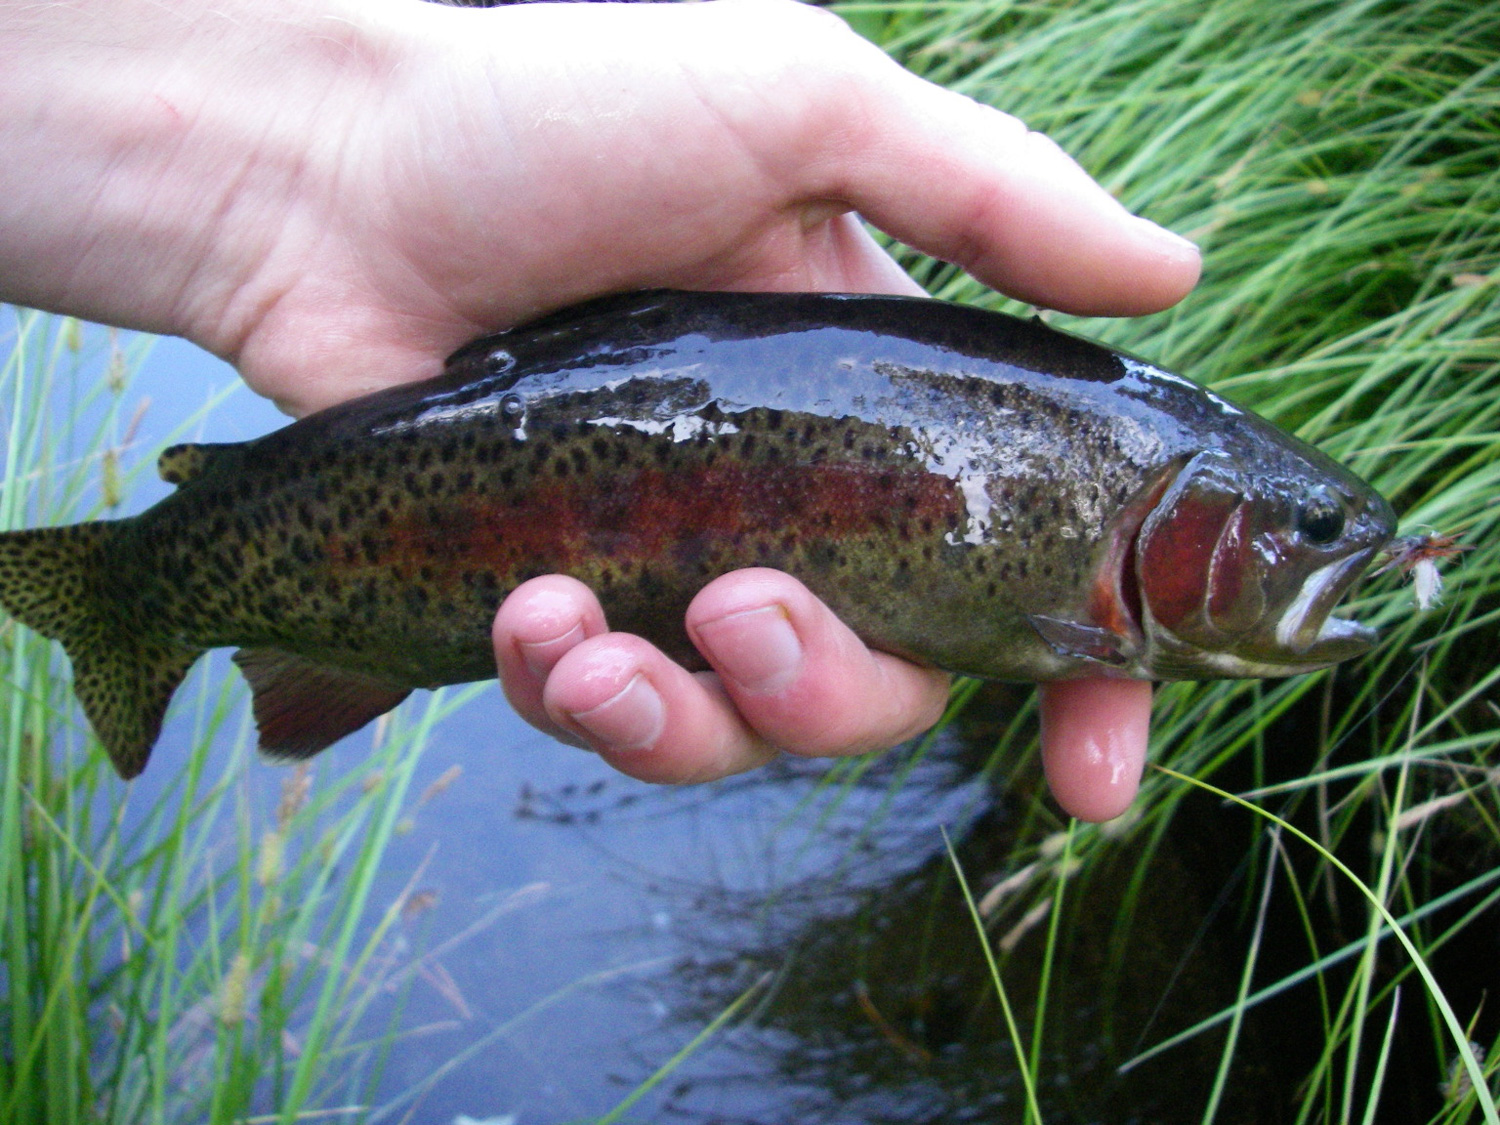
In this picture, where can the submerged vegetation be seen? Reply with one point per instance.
(197, 955)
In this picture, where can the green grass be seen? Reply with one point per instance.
(1340, 165)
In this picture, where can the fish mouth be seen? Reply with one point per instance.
(1307, 626)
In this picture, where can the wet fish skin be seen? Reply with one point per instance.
(965, 489)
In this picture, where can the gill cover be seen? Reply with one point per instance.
(1195, 555)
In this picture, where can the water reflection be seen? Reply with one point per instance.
(880, 1007)
(832, 897)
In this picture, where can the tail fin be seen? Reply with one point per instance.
(50, 581)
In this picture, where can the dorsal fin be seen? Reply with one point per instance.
(608, 304)
(179, 464)
(616, 308)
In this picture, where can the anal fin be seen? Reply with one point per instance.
(302, 706)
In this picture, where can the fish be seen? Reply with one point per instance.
(966, 489)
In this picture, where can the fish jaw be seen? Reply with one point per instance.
(1308, 627)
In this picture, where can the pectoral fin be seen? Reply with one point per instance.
(302, 706)
(1086, 642)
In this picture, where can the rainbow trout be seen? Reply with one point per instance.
(965, 489)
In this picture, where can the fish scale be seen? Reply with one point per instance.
(965, 489)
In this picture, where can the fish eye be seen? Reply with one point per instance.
(1320, 518)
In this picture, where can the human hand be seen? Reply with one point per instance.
(334, 197)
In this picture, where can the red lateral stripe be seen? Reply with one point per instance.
(654, 513)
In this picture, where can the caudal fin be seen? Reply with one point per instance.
(50, 581)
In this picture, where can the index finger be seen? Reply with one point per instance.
(972, 185)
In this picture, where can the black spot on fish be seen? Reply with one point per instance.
(820, 554)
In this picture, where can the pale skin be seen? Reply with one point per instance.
(335, 194)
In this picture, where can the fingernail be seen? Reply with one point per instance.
(757, 649)
(631, 719)
(540, 656)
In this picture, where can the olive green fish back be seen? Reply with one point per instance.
(50, 581)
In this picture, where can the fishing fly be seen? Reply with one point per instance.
(1416, 557)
